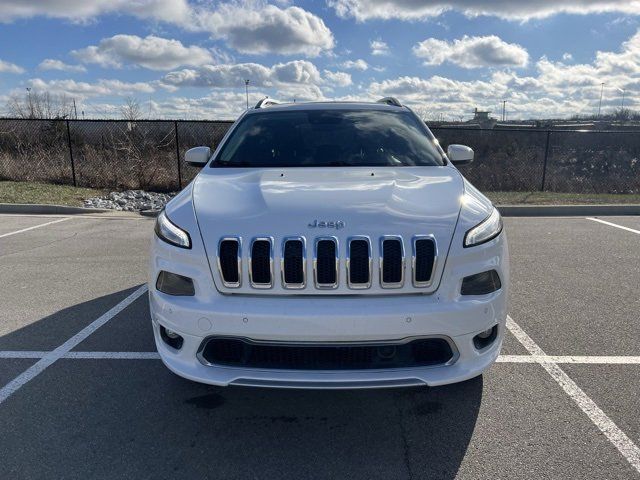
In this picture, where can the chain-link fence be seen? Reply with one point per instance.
(572, 161)
(113, 154)
(149, 154)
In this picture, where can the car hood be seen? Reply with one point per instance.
(366, 201)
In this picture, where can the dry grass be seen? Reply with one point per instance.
(45, 193)
(554, 198)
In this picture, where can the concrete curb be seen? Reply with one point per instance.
(567, 210)
(35, 208)
(505, 210)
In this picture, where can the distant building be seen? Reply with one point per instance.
(482, 119)
(480, 115)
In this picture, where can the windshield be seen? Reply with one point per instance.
(321, 138)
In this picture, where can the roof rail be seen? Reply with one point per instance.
(266, 102)
(393, 101)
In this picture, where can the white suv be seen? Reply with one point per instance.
(329, 245)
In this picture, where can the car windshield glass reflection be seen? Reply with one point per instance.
(341, 138)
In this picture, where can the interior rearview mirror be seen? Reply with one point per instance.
(198, 156)
(460, 154)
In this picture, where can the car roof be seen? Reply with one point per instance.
(294, 106)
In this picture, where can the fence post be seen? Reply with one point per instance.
(73, 166)
(546, 157)
(175, 126)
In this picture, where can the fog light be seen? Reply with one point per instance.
(171, 334)
(485, 334)
(174, 284)
(481, 283)
(486, 338)
(171, 338)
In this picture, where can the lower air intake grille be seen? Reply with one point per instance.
(424, 260)
(228, 257)
(326, 268)
(293, 262)
(261, 262)
(392, 267)
(243, 353)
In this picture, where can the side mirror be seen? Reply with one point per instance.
(460, 154)
(198, 156)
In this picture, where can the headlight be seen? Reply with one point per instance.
(486, 230)
(170, 233)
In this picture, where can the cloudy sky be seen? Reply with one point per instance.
(189, 58)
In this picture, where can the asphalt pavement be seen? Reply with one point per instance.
(104, 406)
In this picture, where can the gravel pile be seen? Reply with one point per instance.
(130, 201)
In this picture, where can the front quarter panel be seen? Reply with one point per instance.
(191, 262)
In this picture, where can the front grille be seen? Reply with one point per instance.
(424, 255)
(229, 261)
(237, 352)
(260, 263)
(326, 263)
(359, 263)
(360, 254)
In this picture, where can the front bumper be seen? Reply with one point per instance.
(394, 319)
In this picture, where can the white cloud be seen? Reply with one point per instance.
(248, 26)
(101, 88)
(7, 67)
(151, 52)
(338, 79)
(472, 52)
(557, 89)
(509, 9)
(378, 47)
(51, 64)
(233, 76)
(567, 57)
(267, 29)
(300, 93)
(359, 64)
(173, 11)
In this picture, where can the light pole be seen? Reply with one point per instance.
(246, 90)
(622, 103)
(600, 104)
(504, 108)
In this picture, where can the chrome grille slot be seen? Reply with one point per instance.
(293, 264)
(325, 263)
(230, 261)
(261, 263)
(424, 260)
(359, 262)
(391, 262)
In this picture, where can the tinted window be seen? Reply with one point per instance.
(316, 138)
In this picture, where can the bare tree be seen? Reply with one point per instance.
(131, 110)
(41, 105)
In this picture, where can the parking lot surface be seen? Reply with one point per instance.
(83, 394)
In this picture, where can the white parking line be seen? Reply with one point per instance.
(34, 227)
(617, 437)
(51, 357)
(21, 354)
(575, 359)
(114, 355)
(614, 225)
